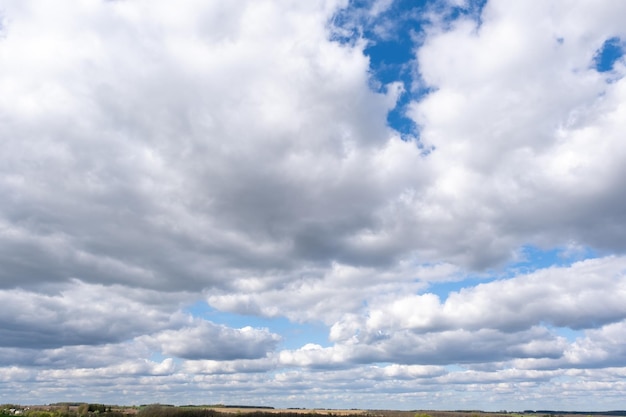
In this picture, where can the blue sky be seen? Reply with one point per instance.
(339, 204)
(610, 52)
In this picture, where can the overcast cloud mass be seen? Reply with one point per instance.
(320, 203)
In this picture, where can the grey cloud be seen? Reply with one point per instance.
(181, 187)
(66, 357)
(81, 314)
(599, 348)
(117, 177)
(317, 294)
(459, 346)
(153, 156)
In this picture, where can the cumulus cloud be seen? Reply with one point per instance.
(221, 366)
(235, 165)
(436, 348)
(496, 321)
(597, 348)
(80, 356)
(205, 340)
(329, 293)
(525, 130)
(83, 314)
(240, 153)
(584, 295)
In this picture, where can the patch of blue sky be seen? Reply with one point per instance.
(444, 289)
(390, 45)
(386, 70)
(157, 357)
(534, 258)
(392, 37)
(455, 368)
(611, 51)
(294, 335)
(570, 334)
(380, 364)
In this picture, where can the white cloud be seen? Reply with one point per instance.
(525, 130)
(513, 320)
(329, 294)
(202, 339)
(212, 367)
(586, 294)
(152, 156)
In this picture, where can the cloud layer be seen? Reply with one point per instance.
(239, 155)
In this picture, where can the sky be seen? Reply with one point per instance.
(324, 203)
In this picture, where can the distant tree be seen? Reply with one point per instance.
(83, 409)
(96, 408)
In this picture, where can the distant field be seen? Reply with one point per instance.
(290, 410)
(219, 410)
(412, 413)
